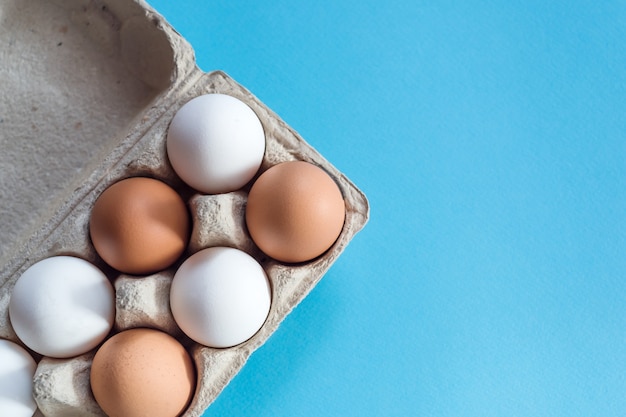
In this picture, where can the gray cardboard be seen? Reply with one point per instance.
(89, 89)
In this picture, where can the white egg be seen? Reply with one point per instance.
(215, 143)
(220, 297)
(62, 307)
(17, 369)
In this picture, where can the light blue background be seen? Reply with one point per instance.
(489, 138)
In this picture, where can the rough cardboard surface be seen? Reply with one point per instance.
(67, 101)
(62, 386)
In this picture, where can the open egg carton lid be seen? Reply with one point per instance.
(89, 89)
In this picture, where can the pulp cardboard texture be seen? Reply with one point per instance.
(89, 89)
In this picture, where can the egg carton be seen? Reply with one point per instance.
(89, 89)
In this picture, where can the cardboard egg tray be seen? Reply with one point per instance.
(89, 89)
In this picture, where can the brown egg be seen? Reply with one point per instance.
(295, 211)
(142, 372)
(139, 225)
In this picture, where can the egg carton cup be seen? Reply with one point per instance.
(90, 87)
